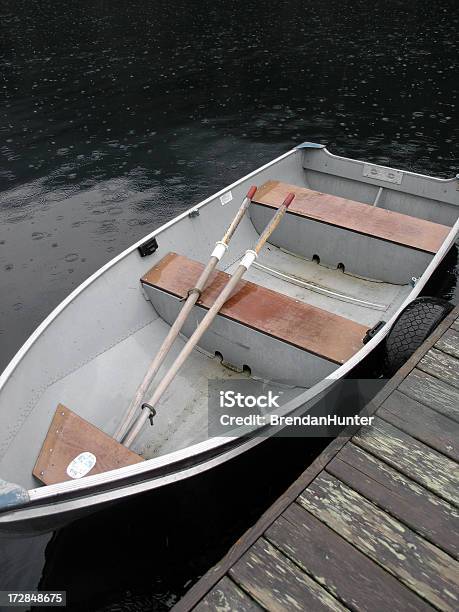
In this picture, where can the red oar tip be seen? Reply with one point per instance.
(288, 200)
(251, 192)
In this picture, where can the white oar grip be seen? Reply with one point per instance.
(248, 258)
(219, 250)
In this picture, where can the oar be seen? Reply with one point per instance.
(227, 291)
(192, 298)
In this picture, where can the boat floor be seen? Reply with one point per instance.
(362, 300)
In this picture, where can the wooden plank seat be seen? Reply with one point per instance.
(307, 327)
(355, 216)
(68, 437)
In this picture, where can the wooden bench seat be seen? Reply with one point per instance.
(309, 328)
(356, 217)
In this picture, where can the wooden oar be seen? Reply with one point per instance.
(192, 298)
(226, 293)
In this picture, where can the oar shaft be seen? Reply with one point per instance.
(207, 320)
(164, 349)
(174, 330)
(184, 354)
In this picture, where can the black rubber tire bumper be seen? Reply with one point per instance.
(411, 328)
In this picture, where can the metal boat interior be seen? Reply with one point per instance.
(358, 243)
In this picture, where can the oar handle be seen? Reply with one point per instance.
(240, 213)
(289, 199)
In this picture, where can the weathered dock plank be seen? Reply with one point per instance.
(449, 343)
(420, 565)
(442, 365)
(360, 583)
(432, 392)
(227, 596)
(422, 423)
(278, 584)
(419, 462)
(372, 524)
(418, 508)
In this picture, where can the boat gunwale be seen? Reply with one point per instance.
(57, 492)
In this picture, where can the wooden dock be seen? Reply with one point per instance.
(372, 524)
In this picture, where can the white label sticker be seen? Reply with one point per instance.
(81, 465)
(226, 197)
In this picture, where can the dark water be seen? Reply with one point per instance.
(115, 116)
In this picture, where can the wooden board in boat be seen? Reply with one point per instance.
(309, 328)
(68, 436)
(355, 216)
